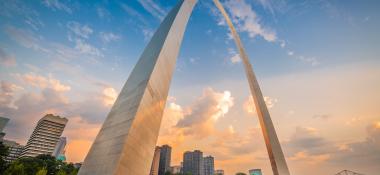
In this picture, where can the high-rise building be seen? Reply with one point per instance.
(3, 123)
(14, 148)
(176, 169)
(45, 136)
(60, 147)
(255, 172)
(219, 172)
(165, 157)
(193, 163)
(208, 165)
(156, 161)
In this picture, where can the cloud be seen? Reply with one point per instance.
(307, 146)
(7, 92)
(235, 59)
(83, 31)
(322, 116)
(148, 33)
(234, 56)
(311, 60)
(43, 82)
(134, 13)
(205, 111)
(247, 20)
(229, 143)
(249, 105)
(362, 154)
(86, 48)
(153, 8)
(24, 38)
(103, 13)
(290, 53)
(110, 96)
(109, 37)
(57, 5)
(6, 59)
(19, 10)
(195, 121)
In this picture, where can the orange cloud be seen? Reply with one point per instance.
(43, 82)
(249, 104)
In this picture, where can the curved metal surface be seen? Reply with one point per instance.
(272, 143)
(126, 142)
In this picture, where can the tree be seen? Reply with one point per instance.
(42, 171)
(41, 165)
(4, 151)
(61, 172)
(16, 168)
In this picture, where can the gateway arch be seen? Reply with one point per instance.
(125, 144)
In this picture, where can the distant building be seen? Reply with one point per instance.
(59, 150)
(45, 136)
(255, 172)
(14, 149)
(165, 156)
(219, 172)
(193, 163)
(175, 169)
(3, 123)
(78, 165)
(155, 162)
(208, 165)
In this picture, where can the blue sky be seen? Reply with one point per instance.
(317, 63)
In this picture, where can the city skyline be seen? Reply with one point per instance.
(316, 61)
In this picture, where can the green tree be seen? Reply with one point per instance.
(42, 171)
(61, 172)
(3, 153)
(16, 168)
(41, 165)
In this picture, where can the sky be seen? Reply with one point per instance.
(317, 62)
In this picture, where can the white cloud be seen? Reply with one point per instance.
(148, 33)
(290, 53)
(311, 60)
(247, 20)
(153, 8)
(86, 48)
(57, 5)
(109, 95)
(134, 13)
(235, 59)
(234, 56)
(83, 31)
(103, 13)
(108, 37)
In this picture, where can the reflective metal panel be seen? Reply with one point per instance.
(126, 142)
(276, 156)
